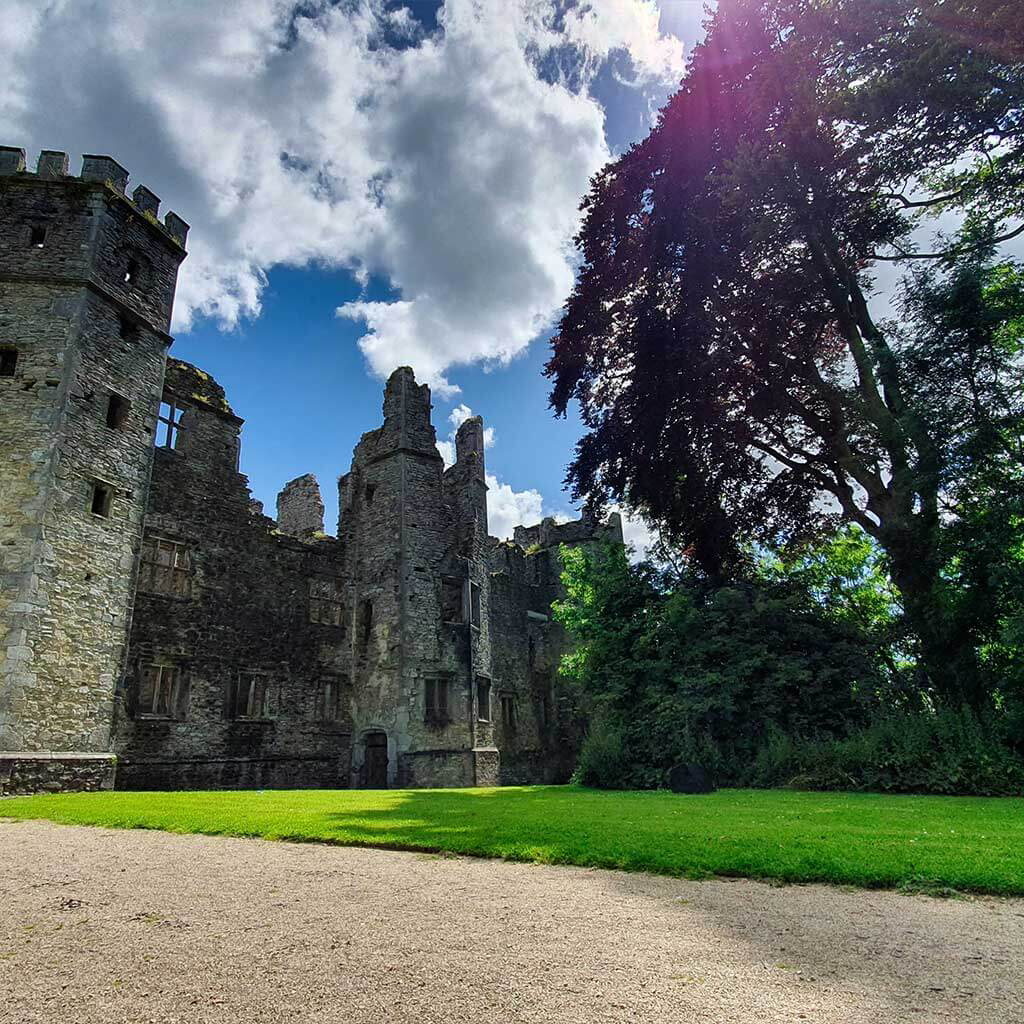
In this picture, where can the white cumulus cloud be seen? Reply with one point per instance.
(448, 164)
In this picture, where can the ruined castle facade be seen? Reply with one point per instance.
(157, 630)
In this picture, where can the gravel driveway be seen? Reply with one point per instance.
(112, 926)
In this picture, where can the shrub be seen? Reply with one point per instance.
(952, 752)
(602, 761)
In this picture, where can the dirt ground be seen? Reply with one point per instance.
(113, 926)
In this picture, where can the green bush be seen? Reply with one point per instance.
(951, 752)
(602, 762)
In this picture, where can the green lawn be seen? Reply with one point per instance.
(965, 843)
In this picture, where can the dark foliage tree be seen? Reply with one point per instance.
(690, 672)
(720, 341)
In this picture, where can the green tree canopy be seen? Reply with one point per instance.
(733, 378)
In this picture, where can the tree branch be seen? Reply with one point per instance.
(957, 250)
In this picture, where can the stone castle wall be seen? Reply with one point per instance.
(149, 609)
(233, 611)
(86, 284)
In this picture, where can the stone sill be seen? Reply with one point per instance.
(55, 755)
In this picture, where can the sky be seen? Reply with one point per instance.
(370, 184)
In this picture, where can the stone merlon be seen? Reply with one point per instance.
(54, 165)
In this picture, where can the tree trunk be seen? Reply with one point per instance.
(947, 657)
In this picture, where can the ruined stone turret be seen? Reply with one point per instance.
(300, 509)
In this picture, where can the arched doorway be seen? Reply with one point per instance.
(375, 761)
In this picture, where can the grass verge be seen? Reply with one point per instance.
(971, 844)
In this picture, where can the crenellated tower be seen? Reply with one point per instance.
(87, 281)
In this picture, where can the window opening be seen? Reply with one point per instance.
(435, 700)
(163, 692)
(117, 411)
(474, 604)
(37, 235)
(131, 272)
(165, 567)
(101, 499)
(451, 599)
(325, 602)
(331, 703)
(251, 697)
(483, 700)
(371, 490)
(168, 425)
(365, 623)
(8, 361)
(508, 712)
(129, 331)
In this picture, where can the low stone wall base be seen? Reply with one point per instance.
(23, 772)
(234, 773)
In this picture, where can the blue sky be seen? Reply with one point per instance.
(369, 184)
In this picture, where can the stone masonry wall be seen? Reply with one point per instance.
(86, 282)
(300, 509)
(28, 772)
(257, 604)
(148, 607)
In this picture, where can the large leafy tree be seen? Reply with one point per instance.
(721, 340)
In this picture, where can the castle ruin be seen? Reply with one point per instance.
(157, 630)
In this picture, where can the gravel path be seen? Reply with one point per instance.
(117, 926)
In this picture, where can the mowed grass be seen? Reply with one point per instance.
(919, 842)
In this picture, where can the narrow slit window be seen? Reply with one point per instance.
(8, 361)
(371, 489)
(117, 411)
(168, 425)
(365, 624)
(37, 236)
(508, 712)
(483, 700)
(102, 494)
(435, 700)
(331, 704)
(474, 604)
(131, 273)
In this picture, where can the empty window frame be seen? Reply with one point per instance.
(162, 692)
(474, 604)
(117, 411)
(101, 499)
(37, 235)
(508, 712)
(325, 601)
(127, 328)
(451, 599)
(371, 490)
(542, 697)
(436, 693)
(8, 361)
(165, 567)
(132, 273)
(365, 626)
(483, 699)
(251, 697)
(331, 699)
(168, 425)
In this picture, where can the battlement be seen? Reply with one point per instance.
(53, 165)
(548, 533)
